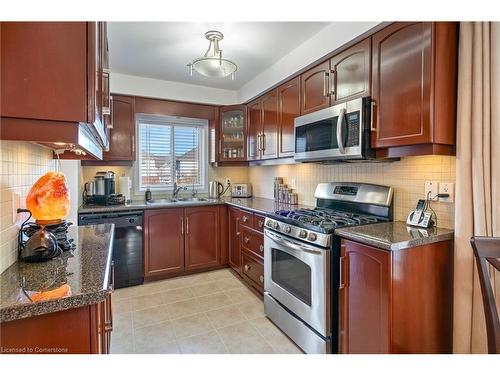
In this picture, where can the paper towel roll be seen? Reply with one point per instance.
(125, 187)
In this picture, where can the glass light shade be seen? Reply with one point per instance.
(214, 67)
(48, 199)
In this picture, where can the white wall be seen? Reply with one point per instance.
(325, 41)
(157, 88)
(71, 169)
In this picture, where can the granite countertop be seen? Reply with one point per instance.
(86, 270)
(260, 205)
(394, 235)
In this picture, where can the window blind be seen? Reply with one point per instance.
(171, 149)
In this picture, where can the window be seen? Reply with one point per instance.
(171, 148)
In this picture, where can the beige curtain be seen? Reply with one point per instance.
(477, 209)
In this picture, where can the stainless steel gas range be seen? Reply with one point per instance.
(301, 260)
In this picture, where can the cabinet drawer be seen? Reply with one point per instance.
(252, 241)
(253, 271)
(258, 222)
(247, 218)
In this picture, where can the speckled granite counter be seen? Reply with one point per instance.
(261, 205)
(394, 235)
(141, 205)
(86, 270)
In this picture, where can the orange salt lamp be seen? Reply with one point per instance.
(48, 199)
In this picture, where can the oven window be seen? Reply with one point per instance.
(291, 274)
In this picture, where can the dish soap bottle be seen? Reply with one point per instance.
(148, 195)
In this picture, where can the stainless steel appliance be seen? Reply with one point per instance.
(340, 132)
(215, 189)
(241, 190)
(127, 244)
(301, 260)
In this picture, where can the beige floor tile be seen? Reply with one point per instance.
(121, 346)
(150, 347)
(205, 288)
(244, 338)
(226, 316)
(229, 283)
(124, 293)
(265, 327)
(191, 325)
(213, 301)
(207, 343)
(177, 282)
(220, 274)
(146, 301)
(122, 322)
(152, 315)
(176, 295)
(184, 308)
(148, 288)
(252, 309)
(121, 305)
(240, 295)
(156, 338)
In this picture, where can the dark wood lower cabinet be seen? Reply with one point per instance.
(163, 242)
(253, 270)
(396, 301)
(202, 245)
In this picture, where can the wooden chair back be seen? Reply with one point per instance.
(487, 251)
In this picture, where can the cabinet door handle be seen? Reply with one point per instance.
(260, 223)
(261, 278)
(332, 82)
(220, 146)
(247, 267)
(326, 80)
(187, 225)
(182, 225)
(261, 248)
(133, 144)
(263, 141)
(246, 240)
(372, 115)
(244, 219)
(110, 126)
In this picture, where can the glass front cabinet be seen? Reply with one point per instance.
(232, 134)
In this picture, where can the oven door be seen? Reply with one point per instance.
(331, 133)
(297, 276)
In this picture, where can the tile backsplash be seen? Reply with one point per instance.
(21, 164)
(406, 176)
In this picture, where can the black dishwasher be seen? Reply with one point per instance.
(127, 244)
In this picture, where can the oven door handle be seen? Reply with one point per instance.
(292, 244)
(340, 121)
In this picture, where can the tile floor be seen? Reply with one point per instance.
(210, 313)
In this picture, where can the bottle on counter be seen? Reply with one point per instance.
(148, 196)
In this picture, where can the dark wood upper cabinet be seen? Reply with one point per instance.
(414, 77)
(202, 237)
(234, 258)
(396, 301)
(163, 242)
(315, 88)
(350, 73)
(232, 142)
(254, 130)
(44, 70)
(269, 134)
(288, 109)
(122, 133)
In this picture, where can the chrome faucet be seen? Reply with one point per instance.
(176, 189)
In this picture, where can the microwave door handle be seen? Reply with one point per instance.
(340, 121)
(292, 244)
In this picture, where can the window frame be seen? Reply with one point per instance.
(172, 121)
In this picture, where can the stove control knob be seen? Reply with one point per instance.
(288, 229)
(269, 223)
(302, 234)
(276, 225)
(312, 236)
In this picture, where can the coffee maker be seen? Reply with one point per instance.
(102, 190)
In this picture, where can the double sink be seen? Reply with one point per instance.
(173, 201)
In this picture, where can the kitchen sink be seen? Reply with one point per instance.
(167, 201)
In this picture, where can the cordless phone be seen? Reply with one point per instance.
(420, 217)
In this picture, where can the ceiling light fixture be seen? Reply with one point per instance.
(212, 64)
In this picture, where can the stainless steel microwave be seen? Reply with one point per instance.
(340, 132)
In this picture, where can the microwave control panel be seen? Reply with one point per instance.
(353, 128)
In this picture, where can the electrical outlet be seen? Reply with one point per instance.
(431, 190)
(447, 188)
(228, 181)
(16, 203)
